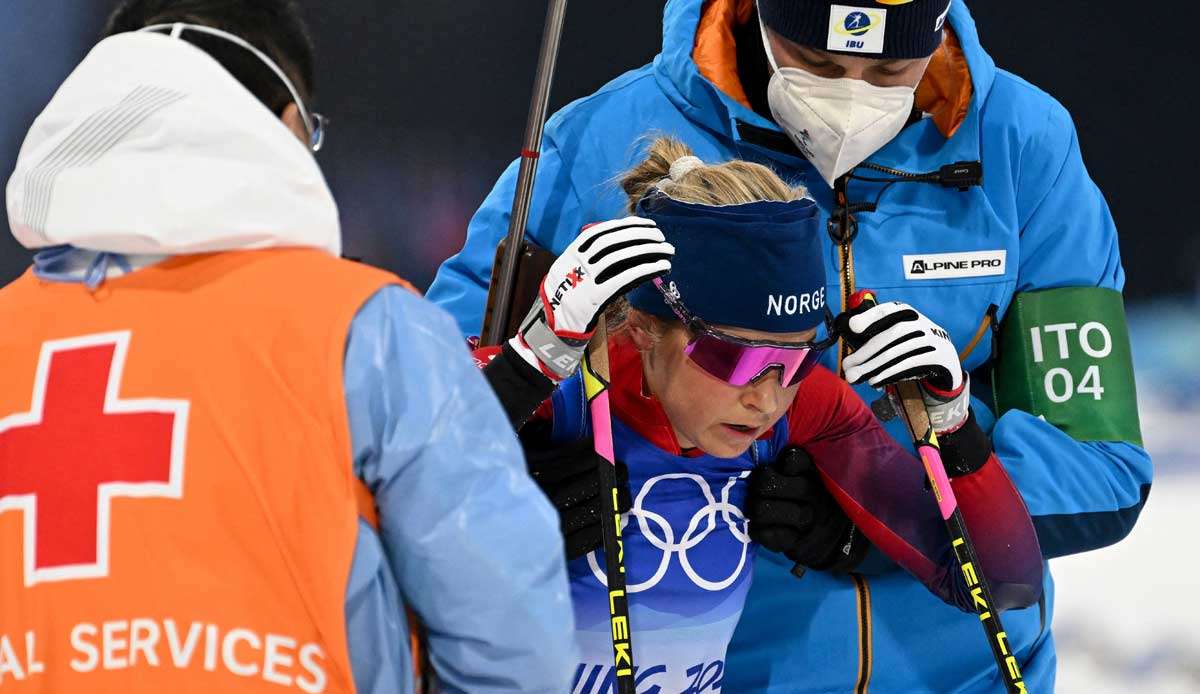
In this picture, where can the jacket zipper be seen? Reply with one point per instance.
(843, 227)
(863, 601)
(989, 321)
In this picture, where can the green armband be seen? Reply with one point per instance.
(1064, 357)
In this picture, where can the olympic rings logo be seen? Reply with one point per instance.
(692, 536)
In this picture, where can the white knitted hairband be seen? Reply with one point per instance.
(681, 166)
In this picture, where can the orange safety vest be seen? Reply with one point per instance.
(178, 511)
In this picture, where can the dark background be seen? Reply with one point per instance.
(428, 102)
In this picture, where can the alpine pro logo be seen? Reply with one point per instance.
(856, 29)
(940, 266)
(573, 279)
(80, 447)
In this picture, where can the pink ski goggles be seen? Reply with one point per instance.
(738, 361)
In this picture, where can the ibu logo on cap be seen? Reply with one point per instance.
(856, 29)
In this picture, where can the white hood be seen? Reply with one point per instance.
(151, 147)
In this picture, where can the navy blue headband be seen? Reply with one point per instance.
(884, 29)
(757, 265)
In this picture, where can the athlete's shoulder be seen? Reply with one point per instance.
(824, 386)
(823, 403)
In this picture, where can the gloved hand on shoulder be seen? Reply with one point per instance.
(790, 511)
(569, 475)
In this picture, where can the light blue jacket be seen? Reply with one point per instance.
(1037, 203)
(465, 538)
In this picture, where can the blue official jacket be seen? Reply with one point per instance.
(1036, 204)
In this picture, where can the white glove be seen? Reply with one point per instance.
(602, 263)
(897, 343)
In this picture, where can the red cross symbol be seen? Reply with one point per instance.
(80, 446)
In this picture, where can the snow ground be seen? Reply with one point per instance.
(1128, 616)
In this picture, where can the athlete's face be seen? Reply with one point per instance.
(706, 412)
(881, 73)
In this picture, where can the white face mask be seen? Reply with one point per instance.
(835, 123)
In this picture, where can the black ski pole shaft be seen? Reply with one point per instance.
(531, 151)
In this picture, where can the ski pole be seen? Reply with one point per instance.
(595, 380)
(595, 362)
(506, 269)
(916, 418)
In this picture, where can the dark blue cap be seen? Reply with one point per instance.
(757, 265)
(884, 29)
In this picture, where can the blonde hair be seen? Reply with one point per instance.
(674, 169)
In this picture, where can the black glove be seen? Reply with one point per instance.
(568, 473)
(790, 511)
